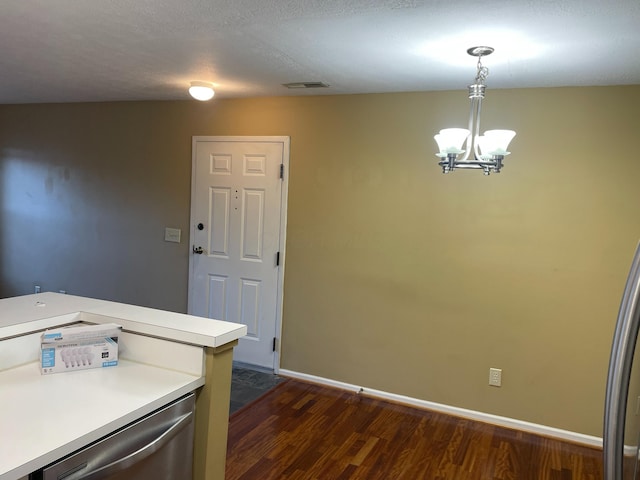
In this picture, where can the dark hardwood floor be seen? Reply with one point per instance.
(306, 431)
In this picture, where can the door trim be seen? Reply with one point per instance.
(285, 140)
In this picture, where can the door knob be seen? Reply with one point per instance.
(197, 250)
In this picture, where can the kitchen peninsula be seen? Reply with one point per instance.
(163, 356)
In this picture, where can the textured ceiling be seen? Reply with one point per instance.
(76, 51)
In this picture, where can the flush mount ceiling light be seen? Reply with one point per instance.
(489, 149)
(202, 91)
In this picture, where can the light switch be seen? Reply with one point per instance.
(172, 234)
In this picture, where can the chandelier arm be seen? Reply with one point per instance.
(469, 141)
(487, 166)
(476, 149)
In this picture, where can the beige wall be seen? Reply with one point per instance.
(397, 277)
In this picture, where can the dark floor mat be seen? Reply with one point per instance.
(248, 385)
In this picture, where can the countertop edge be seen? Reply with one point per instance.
(44, 310)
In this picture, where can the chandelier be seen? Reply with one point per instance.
(489, 149)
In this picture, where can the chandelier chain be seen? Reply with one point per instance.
(483, 72)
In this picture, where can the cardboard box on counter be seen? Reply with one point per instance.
(79, 348)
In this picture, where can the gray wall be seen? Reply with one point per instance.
(87, 190)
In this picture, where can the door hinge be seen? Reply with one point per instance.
(282, 170)
(274, 344)
(277, 259)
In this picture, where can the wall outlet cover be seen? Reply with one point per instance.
(495, 377)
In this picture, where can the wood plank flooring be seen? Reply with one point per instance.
(305, 431)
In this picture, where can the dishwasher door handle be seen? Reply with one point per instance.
(134, 457)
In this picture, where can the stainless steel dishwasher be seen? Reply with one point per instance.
(158, 446)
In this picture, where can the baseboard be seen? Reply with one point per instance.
(507, 422)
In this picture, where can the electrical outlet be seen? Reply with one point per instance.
(36, 289)
(495, 377)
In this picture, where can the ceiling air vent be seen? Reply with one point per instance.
(306, 85)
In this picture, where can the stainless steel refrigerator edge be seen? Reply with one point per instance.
(619, 377)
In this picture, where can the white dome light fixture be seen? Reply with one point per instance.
(202, 91)
(489, 149)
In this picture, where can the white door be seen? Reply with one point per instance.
(238, 213)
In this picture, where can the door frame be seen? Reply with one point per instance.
(285, 140)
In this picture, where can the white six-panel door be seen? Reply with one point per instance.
(237, 226)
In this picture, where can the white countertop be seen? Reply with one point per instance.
(20, 315)
(44, 417)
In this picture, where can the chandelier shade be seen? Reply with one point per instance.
(455, 145)
(450, 140)
(495, 142)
